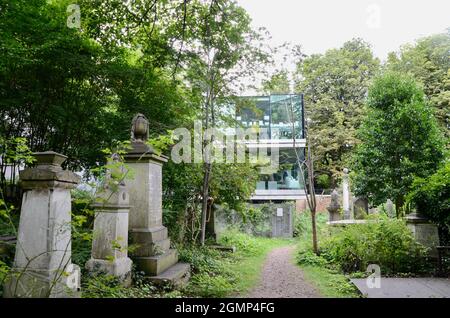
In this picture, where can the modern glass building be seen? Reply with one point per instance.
(283, 118)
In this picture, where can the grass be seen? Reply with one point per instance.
(225, 274)
(248, 267)
(329, 281)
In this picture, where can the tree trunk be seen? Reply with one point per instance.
(314, 232)
(205, 195)
(399, 201)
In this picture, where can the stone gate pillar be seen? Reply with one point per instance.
(153, 254)
(42, 264)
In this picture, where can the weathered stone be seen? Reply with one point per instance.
(153, 254)
(110, 235)
(360, 208)
(346, 195)
(156, 264)
(425, 232)
(42, 264)
(177, 276)
(334, 207)
(390, 208)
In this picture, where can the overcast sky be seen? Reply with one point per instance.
(322, 24)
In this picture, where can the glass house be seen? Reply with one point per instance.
(282, 116)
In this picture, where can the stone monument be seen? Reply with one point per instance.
(110, 236)
(390, 208)
(346, 195)
(423, 231)
(42, 264)
(153, 254)
(360, 208)
(334, 207)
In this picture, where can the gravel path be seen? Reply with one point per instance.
(281, 278)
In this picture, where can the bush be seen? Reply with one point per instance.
(309, 258)
(383, 241)
(303, 226)
(245, 243)
(431, 196)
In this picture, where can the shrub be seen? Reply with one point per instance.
(303, 226)
(432, 197)
(245, 243)
(383, 241)
(309, 258)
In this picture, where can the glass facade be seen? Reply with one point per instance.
(288, 175)
(278, 113)
(283, 117)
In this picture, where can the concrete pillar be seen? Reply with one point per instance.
(110, 235)
(42, 264)
(346, 195)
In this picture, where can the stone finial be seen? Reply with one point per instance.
(139, 128)
(48, 172)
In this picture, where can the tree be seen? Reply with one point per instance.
(335, 87)
(399, 140)
(277, 84)
(63, 90)
(428, 61)
(218, 50)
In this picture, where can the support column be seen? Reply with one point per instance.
(42, 264)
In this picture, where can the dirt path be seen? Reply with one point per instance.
(281, 278)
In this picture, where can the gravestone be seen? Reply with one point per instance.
(423, 231)
(346, 195)
(390, 208)
(334, 207)
(110, 236)
(42, 264)
(360, 208)
(153, 254)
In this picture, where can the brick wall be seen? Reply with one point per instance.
(323, 201)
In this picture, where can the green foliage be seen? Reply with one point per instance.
(428, 61)
(303, 226)
(335, 86)
(382, 241)
(307, 257)
(243, 242)
(431, 196)
(323, 181)
(210, 286)
(80, 94)
(399, 140)
(182, 184)
(278, 84)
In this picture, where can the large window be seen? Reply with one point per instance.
(279, 114)
(288, 175)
